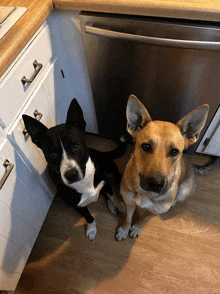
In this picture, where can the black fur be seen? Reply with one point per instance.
(71, 134)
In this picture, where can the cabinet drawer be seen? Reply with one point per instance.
(13, 93)
(23, 194)
(24, 204)
(43, 103)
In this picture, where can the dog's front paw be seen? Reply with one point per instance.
(91, 231)
(121, 234)
(134, 231)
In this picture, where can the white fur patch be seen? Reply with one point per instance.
(91, 231)
(67, 164)
(86, 186)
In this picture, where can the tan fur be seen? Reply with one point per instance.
(158, 163)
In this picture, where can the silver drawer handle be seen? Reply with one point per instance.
(37, 115)
(189, 44)
(37, 67)
(9, 166)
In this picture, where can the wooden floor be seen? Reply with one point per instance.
(178, 252)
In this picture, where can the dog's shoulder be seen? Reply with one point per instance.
(186, 169)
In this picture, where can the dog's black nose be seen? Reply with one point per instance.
(72, 175)
(155, 185)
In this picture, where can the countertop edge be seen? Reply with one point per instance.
(168, 9)
(12, 43)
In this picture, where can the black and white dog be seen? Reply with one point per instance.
(78, 172)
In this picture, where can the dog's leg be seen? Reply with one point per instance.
(114, 204)
(111, 191)
(116, 197)
(136, 229)
(91, 229)
(123, 231)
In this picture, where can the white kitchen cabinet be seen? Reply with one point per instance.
(24, 203)
(55, 57)
(210, 142)
(24, 198)
(44, 104)
(17, 93)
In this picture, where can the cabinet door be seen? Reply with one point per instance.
(24, 204)
(44, 104)
(13, 93)
(210, 143)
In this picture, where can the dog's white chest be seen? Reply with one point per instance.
(86, 186)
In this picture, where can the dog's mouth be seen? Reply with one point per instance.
(72, 175)
(154, 184)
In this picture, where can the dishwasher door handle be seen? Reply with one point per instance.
(187, 44)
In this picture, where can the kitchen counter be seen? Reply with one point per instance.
(38, 10)
(16, 38)
(187, 9)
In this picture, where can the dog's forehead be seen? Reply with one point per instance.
(64, 133)
(160, 131)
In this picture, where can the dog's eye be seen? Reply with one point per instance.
(53, 155)
(75, 146)
(174, 152)
(146, 147)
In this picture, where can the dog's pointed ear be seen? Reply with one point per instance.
(75, 116)
(35, 129)
(137, 116)
(192, 124)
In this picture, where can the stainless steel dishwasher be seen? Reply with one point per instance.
(171, 65)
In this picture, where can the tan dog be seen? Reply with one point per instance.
(157, 174)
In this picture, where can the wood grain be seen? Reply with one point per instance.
(177, 252)
(15, 39)
(185, 9)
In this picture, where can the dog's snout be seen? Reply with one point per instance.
(155, 185)
(72, 175)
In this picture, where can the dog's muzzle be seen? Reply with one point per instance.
(157, 184)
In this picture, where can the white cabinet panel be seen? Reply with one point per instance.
(13, 227)
(68, 45)
(23, 203)
(15, 258)
(44, 104)
(23, 208)
(30, 180)
(210, 143)
(54, 87)
(12, 88)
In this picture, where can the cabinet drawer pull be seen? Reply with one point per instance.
(37, 115)
(37, 67)
(9, 166)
